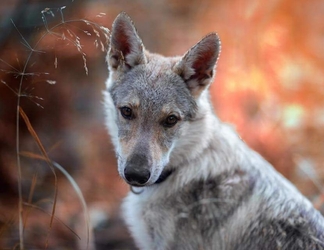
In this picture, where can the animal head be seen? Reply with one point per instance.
(150, 98)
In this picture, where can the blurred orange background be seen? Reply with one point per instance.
(269, 85)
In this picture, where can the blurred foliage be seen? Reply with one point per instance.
(269, 85)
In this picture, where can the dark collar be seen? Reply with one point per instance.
(164, 175)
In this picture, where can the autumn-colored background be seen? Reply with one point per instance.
(269, 86)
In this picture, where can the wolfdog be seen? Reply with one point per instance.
(195, 184)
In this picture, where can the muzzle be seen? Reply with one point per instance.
(137, 171)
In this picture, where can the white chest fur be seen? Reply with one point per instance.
(133, 213)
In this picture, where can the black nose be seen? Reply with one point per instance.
(137, 171)
(136, 177)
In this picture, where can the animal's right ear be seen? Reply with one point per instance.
(126, 49)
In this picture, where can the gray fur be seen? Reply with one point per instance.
(220, 194)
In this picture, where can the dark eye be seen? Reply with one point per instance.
(126, 112)
(170, 121)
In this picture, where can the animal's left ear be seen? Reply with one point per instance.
(197, 66)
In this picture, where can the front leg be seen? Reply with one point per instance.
(195, 216)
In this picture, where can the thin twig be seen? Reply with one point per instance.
(48, 161)
(20, 111)
(74, 185)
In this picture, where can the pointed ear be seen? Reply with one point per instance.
(197, 66)
(126, 48)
